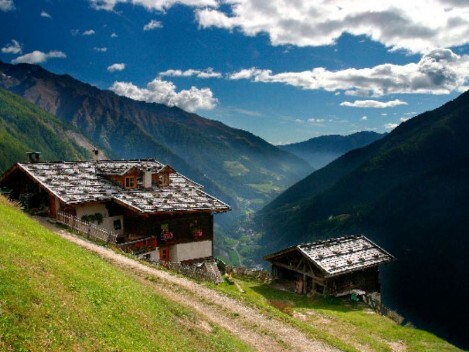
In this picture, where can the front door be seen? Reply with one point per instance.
(164, 254)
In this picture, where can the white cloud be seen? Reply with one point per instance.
(89, 32)
(438, 72)
(45, 14)
(207, 73)
(364, 118)
(37, 57)
(153, 24)
(373, 103)
(116, 67)
(7, 5)
(12, 48)
(114, 35)
(391, 126)
(100, 50)
(247, 112)
(404, 119)
(313, 120)
(415, 26)
(164, 92)
(152, 5)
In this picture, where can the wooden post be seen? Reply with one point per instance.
(304, 283)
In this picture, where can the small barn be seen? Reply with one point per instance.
(335, 267)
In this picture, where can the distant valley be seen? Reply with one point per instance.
(320, 151)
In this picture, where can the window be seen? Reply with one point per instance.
(163, 180)
(130, 182)
(117, 224)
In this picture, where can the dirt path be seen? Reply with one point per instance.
(248, 324)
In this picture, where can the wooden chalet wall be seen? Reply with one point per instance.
(184, 228)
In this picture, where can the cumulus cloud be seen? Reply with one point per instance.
(153, 5)
(89, 32)
(364, 118)
(373, 103)
(207, 73)
(440, 71)
(37, 57)
(415, 26)
(153, 24)
(12, 48)
(100, 50)
(45, 14)
(116, 67)
(164, 92)
(114, 35)
(7, 5)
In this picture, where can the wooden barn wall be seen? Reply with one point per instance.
(367, 280)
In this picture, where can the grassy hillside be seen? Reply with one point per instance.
(24, 127)
(349, 326)
(55, 296)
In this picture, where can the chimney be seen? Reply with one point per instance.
(30, 157)
(95, 154)
(33, 157)
(147, 179)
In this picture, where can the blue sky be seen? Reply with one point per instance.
(286, 70)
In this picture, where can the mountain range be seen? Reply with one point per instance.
(320, 151)
(236, 166)
(408, 192)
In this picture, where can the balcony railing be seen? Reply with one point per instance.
(139, 246)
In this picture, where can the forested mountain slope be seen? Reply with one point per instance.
(24, 127)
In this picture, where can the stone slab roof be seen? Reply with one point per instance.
(341, 255)
(85, 181)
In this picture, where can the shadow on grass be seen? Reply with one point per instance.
(343, 305)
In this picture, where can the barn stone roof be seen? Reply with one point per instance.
(341, 255)
(78, 182)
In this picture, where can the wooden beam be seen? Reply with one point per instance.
(300, 262)
(289, 267)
